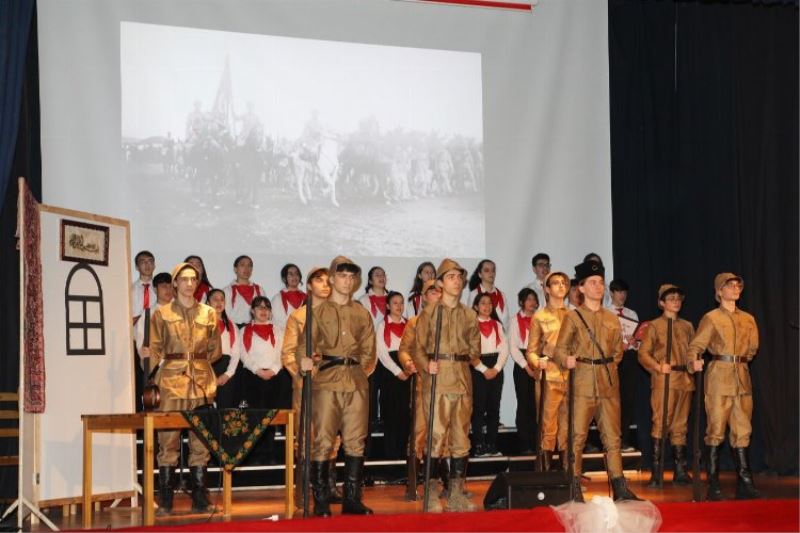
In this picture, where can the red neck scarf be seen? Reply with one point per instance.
(146, 300)
(262, 330)
(390, 328)
(524, 325)
(487, 327)
(498, 302)
(294, 298)
(377, 303)
(223, 326)
(201, 291)
(416, 301)
(248, 292)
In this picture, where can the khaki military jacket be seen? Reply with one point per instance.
(598, 381)
(175, 329)
(343, 331)
(460, 336)
(542, 337)
(724, 333)
(653, 352)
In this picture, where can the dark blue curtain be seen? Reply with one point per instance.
(15, 24)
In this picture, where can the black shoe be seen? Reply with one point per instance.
(714, 489)
(319, 483)
(166, 490)
(657, 472)
(200, 501)
(590, 448)
(681, 476)
(619, 487)
(334, 494)
(577, 492)
(545, 461)
(442, 469)
(745, 489)
(353, 472)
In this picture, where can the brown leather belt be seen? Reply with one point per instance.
(329, 361)
(591, 361)
(451, 357)
(729, 358)
(679, 368)
(184, 356)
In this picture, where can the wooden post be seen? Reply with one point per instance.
(87, 475)
(227, 488)
(147, 472)
(289, 476)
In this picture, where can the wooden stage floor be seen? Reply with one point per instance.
(261, 504)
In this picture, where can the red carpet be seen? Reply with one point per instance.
(753, 515)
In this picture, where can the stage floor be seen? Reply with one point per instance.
(261, 504)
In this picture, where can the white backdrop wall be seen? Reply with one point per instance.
(544, 115)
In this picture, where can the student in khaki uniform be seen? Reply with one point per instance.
(542, 338)
(184, 342)
(590, 342)
(731, 337)
(344, 336)
(317, 280)
(458, 349)
(653, 357)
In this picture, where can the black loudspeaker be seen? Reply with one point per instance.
(524, 490)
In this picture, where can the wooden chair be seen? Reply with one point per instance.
(9, 412)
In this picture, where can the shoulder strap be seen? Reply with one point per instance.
(591, 334)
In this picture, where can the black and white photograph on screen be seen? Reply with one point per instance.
(305, 145)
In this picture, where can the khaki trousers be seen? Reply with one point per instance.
(333, 412)
(606, 412)
(731, 411)
(169, 442)
(680, 402)
(451, 421)
(554, 416)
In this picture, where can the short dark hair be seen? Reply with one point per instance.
(523, 295)
(477, 299)
(539, 257)
(591, 256)
(618, 285)
(143, 253)
(162, 277)
(236, 261)
(285, 272)
(258, 300)
(392, 294)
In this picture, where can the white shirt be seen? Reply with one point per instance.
(518, 345)
(239, 310)
(279, 314)
(383, 350)
(377, 317)
(628, 321)
(409, 310)
(230, 346)
(489, 345)
(137, 296)
(138, 329)
(262, 354)
(502, 313)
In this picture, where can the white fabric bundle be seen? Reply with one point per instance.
(601, 514)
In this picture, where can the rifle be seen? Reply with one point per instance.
(437, 338)
(411, 460)
(305, 412)
(540, 417)
(697, 489)
(571, 434)
(146, 344)
(665, 407)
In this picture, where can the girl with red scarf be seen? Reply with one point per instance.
(395, 393)
(482, 282)
(240, 293)
(524, 373)
(290, 297)
(487, 378)
(228, 380)
(268, 386)
(203, 286)
(374, 301)
(425, 272)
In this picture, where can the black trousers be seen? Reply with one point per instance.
(526, 419)
(375, 390)
(229, 396)
(486, 404)
(627, 370)
(266, 394)
(394, 403)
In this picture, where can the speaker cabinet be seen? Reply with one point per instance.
(524, 490)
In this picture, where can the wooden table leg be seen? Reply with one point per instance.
(87, 476)
(148, 511)
(227, 489)
(289, 478)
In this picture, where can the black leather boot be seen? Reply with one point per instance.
(657, 472)
(443, 472)
(577, 492)
(681, 476)
(547, 460)
(745, 489)
(561, 464)
(200, 501)
(433, 504)
(320, 487)
(620, 490)
(457, 499)
(714, 489)
(166, 491)
(334, 494)
(353, 472)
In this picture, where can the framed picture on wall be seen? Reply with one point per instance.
(84, 243)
